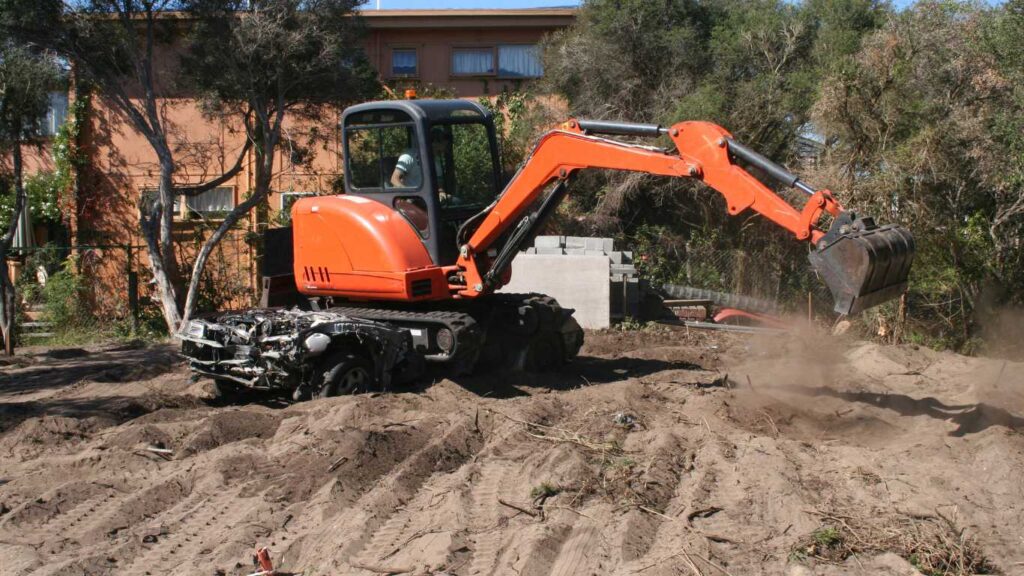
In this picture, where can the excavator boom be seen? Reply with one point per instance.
(862, 264)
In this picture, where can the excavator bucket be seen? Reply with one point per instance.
(863, 264)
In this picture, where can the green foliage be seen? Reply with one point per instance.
(753, 67)
(630, 324)
(827, 537)
(511, 122)
(66, 299)
(68, 158)
(921, 113)
(252, 52)
(925, 123)
(43, 191)
(544, 490)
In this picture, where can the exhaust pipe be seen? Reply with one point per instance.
(863, 264)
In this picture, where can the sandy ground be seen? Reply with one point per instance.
(655, 453)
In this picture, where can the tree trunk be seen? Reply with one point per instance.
(8, 297)
(264, 173)
(164, 287)
(156, 228)
(7, 304)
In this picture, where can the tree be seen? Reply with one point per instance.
(753, 67)
(26, 78)
(123, 49)
(925, 129)
(265, 63)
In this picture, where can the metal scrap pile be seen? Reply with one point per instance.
(280, 349)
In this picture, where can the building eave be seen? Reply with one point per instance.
(482, 18)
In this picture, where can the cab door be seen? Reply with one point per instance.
(465, 167)
(386, 160)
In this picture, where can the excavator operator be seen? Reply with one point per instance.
(409, 174)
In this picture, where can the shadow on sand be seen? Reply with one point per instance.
(969, 418)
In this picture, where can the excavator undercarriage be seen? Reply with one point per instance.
(291, 350)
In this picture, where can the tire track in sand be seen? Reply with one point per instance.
(485, 518)
(375, 508)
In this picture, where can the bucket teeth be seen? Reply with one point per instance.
(863, 264)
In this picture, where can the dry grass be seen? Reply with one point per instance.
(934, 545)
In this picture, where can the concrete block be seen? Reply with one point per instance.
(627, 256)
(589, 252)
(609, 244)
(548, 242)
(530, 251)
(551, 251)
(575, 251)
(632, 297)
(579, 282)
(616, 257)
(627, 269)
(575, 242)
(594, 243)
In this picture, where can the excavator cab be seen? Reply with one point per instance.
(434, 161)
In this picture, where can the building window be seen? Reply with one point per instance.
(150, 197)
(403, 62)
(287, 199)
(520, 61)
(513, 61)
(472, 61)
(212, 203)
(56, 113)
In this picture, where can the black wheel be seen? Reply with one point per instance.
(544, 352)
(227, 391)
(341, 373)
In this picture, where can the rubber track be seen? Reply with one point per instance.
(724, 299)
(464, 327)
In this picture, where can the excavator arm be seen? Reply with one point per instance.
(862, 264)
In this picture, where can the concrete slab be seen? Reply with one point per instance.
(579, 282)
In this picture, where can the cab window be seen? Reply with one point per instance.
(381, 151)
(464, 165)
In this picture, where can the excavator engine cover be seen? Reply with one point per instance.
(863, 264)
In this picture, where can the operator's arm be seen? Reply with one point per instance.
(405, 164)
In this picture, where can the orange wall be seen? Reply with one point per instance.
(434, 46)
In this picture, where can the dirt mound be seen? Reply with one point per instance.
(656, 453)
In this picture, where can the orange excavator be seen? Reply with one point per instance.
(402, 269)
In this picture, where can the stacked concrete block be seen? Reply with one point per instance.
(566, 280)
(577, 282)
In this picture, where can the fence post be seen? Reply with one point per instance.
(133, 292)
